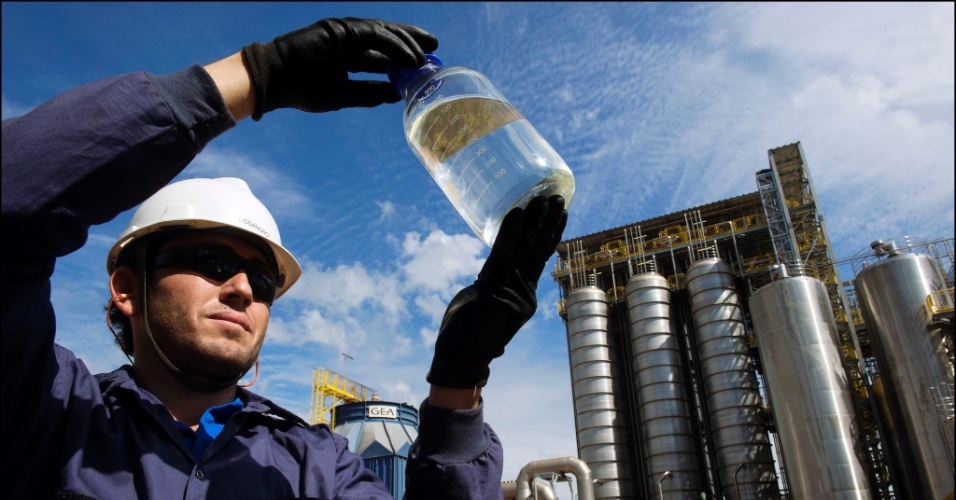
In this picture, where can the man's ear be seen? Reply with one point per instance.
(124, 287)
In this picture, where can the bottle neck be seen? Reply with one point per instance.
(407, 81)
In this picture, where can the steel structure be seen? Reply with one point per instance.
(600, 417)
(815, 412)
(667, 431)
(382, 433)
(919, 384)
(329, 390)
(780, 223)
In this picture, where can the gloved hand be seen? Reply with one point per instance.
(483, 317)
(308, 69)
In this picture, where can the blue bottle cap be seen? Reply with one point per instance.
(400, 76)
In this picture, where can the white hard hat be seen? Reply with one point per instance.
(226, 202)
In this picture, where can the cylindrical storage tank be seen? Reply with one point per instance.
(809, 390)
(598, 408)
(669, 440)
(901, 474)
(916, 372)
(382, 434)
(741, 442)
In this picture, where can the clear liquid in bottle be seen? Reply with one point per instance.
(486, 157)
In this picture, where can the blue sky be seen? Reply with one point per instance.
(655, 107)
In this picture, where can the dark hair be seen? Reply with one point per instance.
(121, 326)
(118, 322)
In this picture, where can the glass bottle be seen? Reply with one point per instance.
(485, 156)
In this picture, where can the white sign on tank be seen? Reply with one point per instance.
(381, 412)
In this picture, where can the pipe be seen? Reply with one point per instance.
(543, 490)
(660, 489)
(737, 487)
(581, 471)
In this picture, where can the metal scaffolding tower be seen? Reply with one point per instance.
(329, 389)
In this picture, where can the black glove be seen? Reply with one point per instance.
(483, 317)
(308, 68)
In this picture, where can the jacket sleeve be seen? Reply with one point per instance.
(77, 160)
(456, 456)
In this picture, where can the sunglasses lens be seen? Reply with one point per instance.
(263, 287)
(213, 265)
(218, 267)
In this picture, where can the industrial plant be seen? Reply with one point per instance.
(725, 352)
(718, 352)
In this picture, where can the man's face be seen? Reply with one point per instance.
(209, 328)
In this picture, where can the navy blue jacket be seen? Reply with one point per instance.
(81, 159)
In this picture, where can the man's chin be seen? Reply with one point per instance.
(222, 373)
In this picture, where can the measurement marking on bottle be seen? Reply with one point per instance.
(475, 178)
(459, 133)
(457, 181)
(477, 155)
(478, 200)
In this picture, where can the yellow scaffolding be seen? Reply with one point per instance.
(940, 303)
(668, 237)
(329, 389)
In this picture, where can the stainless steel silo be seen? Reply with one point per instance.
(669, 440)
(916, 372)
(598, 407)
(744, 461)
(809, 389)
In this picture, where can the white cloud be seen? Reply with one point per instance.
(433, 305)
(346, 288)
(428, 336)
(909, 45)
(313, 327)
(387, 208)
(528, 402)
(268, 182)
(351, 308)
(439, 262)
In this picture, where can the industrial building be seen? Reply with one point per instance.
(717, 352)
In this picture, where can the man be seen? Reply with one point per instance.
(192, 279)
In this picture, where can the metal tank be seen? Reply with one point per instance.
(913, 364)
(809, 390)
(744, 461)
(599, 411)
(902, 479)
(382, 434)
(669, 440)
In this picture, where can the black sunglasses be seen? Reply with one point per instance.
(220, 267)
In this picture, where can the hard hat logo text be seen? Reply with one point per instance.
(255, 226)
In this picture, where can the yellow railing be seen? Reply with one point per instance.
(839, 314)
(673, 231)
(798, 200)
(615, 294)
(940, 302)
(675, 281)
(668, 237)
(329, 389)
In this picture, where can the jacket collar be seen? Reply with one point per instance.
(122, 383)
